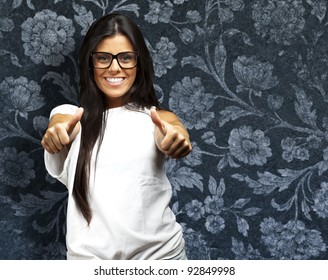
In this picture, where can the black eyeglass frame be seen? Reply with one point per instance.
(114, 56)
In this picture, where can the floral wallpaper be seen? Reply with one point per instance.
(248, 78)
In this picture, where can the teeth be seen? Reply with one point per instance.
(114, 80)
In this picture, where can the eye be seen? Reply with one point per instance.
(126, 57)
(102, 57)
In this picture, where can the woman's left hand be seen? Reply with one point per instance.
(171, 136)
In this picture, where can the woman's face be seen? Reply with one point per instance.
(114, 81)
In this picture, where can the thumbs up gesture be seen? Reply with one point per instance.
(62, 130)
(171, 137)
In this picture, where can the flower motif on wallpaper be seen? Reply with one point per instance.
(187, 36)
(159, 12)
(249, 146)
(195, 209)
(6, 25)
(227, 7)
(16, 169)
(214, 224)
(250, 150)
(292, 240)
(163, 13)
(293, 151)
(193, 16)
(253, 75)
(162, 56)
(214, 204)
(48, 37)
(320, 199)
(40, 124)
(196, 246)
(279, 21)
(20, 95)
(179, 2)
(191, 103)
(195, 157)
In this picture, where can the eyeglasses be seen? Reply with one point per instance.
(103, 60)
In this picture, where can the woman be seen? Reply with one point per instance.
(109, 153)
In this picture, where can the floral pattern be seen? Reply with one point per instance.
(247, 78)
(48, 38)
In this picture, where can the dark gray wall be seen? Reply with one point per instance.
(248, 79)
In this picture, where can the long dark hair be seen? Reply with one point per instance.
(141, 94)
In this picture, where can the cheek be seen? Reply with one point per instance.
(133, 77)
(97, 80)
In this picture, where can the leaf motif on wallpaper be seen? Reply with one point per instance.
(45, 229)
(243, 226)
(129, 7)
(216, 189)
(4, 133)
(319, 8)
(175, 208)
(268, 182)
(232, 113)
(182, 176)
(84, 17)
(17, 3)
(220, 58)
(67, 90)
(240, 203)
(225, 161)
(284, 206)
(231, 32)
(252, 211)
(30, 203)
(242, 223)
(242, 252)
(195, 157)
(306, 209)
(197, 62)
(13, 58)
(303, 107)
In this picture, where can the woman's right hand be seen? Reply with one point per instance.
(62, 130)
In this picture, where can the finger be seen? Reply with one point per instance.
(177, 148)
(182, 151)
(50, 145)
(47, 147)
(157, 121)
(75, 119)
(175, 145)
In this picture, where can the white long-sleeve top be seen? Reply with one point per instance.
(129, 193)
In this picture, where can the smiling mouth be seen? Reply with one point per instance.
(115, 80)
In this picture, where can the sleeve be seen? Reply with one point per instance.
(66, 109)
(59, 165)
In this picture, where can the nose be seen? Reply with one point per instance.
(114, 66)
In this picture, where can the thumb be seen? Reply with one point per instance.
(75, 119)
(157, 121)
